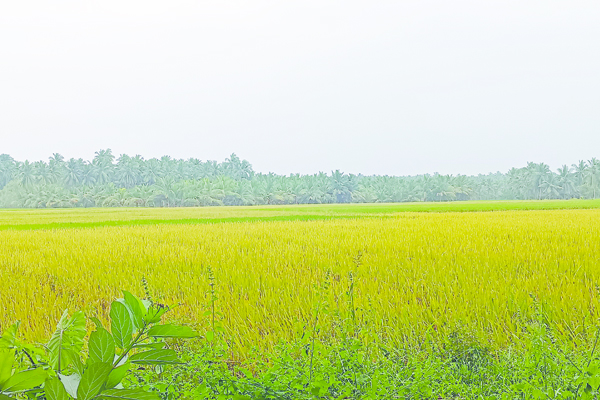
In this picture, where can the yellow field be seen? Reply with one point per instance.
(420, 272)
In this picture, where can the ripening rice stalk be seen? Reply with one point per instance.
(419, 272)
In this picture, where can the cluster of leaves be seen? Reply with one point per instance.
(62, 370)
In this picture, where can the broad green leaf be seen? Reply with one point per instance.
(136, 307)
(154, 345)
(9, 336)
(55, 390)
(93, 379)
(67, 340)
(121, 324)
(128, 394)
(594, 381)
(101, 346)
(117, 375)
(162, 356)
(155, 313)
(5, 397)
(25, 380)
(173, 331)
(71, 383)
(77, 364)
(146, 303)
(97, 322)
(209, 336)
(7, 359)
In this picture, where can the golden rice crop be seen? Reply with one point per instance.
(420, 272)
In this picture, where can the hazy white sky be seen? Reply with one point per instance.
(377, 87)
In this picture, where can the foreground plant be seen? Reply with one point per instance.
(64, 371)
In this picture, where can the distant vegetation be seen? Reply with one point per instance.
(107, 181)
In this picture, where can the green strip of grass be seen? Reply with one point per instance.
(31, 219)
(187, 221)
(455, 206)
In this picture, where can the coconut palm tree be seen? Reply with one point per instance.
(89, 174)
(8, 166)
(73, 172)
(236, 168)
(103, 166)
(550, 187)
(57, 164)
(579, 170)
(592, 177)
(536, 173)
(568, 182)
(42, 173)
(244, 193)
(340, 186)
(127, 171)
(26, 174)
(118, 199)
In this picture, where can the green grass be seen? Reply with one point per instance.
(28, 219)
(455, 206)
(67, 225)
(460, 369)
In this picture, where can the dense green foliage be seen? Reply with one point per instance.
(459, 368)
(134, 181)
(62, 370)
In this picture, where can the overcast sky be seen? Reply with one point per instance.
(372, 87)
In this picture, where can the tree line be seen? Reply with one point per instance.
(108, 181)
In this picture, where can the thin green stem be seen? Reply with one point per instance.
(130, 347)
